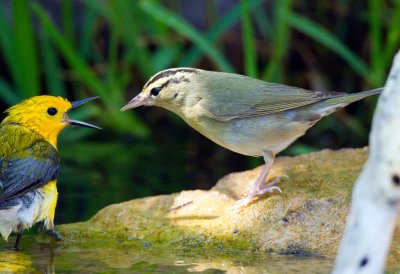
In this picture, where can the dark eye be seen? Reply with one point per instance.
(52, 111)
(155, 91)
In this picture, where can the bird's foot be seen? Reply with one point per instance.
(270, 187)
(16, 248)
(18, 241)
(53, 233)
(253, 194)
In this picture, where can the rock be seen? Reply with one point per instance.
(307, 219)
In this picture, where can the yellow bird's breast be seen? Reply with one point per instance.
(49, 203)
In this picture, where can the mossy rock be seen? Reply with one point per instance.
(308, 218)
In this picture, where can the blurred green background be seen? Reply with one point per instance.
(77, 49)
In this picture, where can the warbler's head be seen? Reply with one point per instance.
(168, 89)
(46, 115)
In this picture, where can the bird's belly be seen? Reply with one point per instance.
(252, 136)
(19, 213)
(24, 211)
(48, 206)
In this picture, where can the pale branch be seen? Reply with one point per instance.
(376, 194)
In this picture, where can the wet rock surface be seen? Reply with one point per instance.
(307, 219)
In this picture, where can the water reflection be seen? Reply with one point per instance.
(86, 258)
(39, 260)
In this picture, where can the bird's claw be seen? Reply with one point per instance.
(268, 188)
(276, 181)
(53, 233)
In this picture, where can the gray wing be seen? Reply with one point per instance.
(29, 169)
(241, 96)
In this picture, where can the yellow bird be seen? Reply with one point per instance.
(29, 162)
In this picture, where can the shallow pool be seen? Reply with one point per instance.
(68, 257)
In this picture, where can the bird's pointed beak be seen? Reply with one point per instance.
(137, 101)
(76, 104)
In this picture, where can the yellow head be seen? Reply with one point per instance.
(46, 115)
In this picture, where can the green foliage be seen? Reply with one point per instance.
(250, 55)
(180, 26)
(19, 51)
(321, 35)
(115, 46)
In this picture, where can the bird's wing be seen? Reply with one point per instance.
(232, 98)
(29, 169)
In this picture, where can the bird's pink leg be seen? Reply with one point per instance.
(259, 188)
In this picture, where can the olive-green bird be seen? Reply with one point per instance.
(243, 114)
(29, 162)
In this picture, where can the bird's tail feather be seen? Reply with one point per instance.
(352, 97)
(328, 106)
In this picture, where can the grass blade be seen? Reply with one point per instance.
(374, 18)
(121, 14)
(86, 34)
(129, 13)
(121, 122)
(7, 47)
(68, 52)
(250, 64)
(67, 17)
(182, 27)
(273, 71)
(226, 22)
(165, 56)
(8, 94)
(322, 36)
(263, 23)
(25, 49)
(51, 68)
(393, 37)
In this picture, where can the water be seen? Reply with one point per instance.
(67, 257)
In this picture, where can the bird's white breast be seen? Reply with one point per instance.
(26, 210)
(251, 136)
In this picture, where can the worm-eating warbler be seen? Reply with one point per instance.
(240, 113)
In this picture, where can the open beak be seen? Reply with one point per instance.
(137, 101)
(76, 104)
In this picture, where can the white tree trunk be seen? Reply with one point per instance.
(376, 194)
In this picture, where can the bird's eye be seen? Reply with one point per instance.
(52, 111)
(155, 91)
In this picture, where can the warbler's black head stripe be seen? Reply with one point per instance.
(168, 73)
